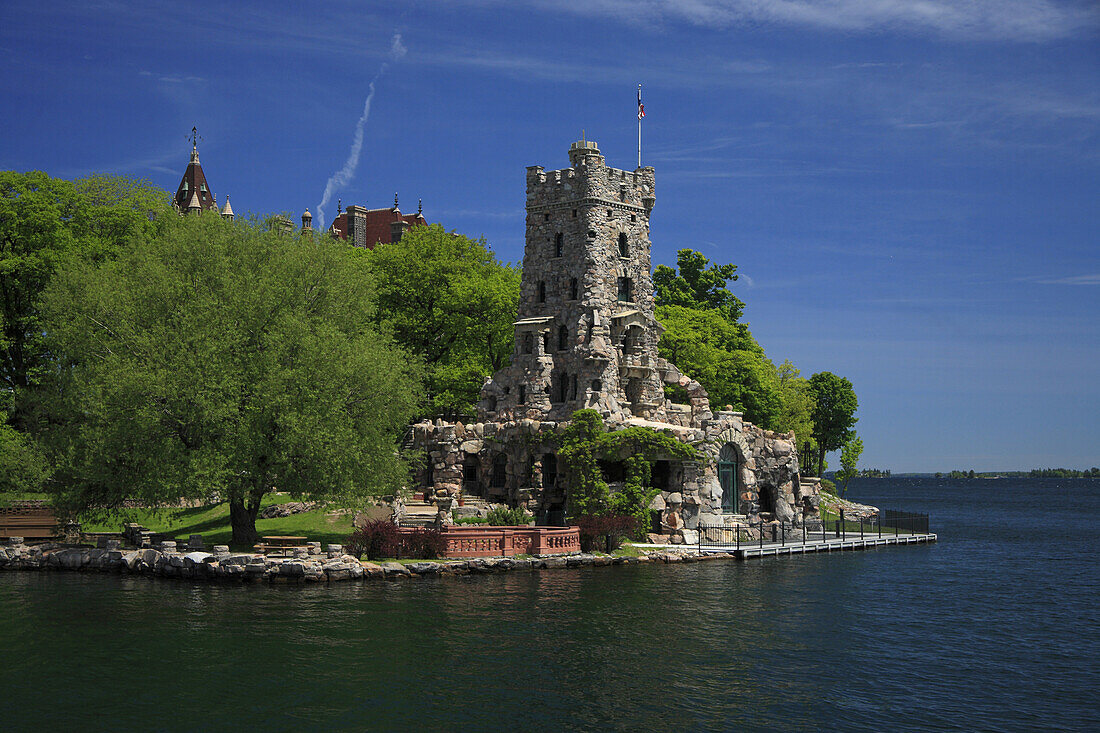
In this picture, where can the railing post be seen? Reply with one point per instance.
(783, 532)
(861, 528)
(737, 531)
(761, 533)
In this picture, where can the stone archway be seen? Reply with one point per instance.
(734, 456)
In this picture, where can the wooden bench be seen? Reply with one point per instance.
(29, 523)
(269, 544)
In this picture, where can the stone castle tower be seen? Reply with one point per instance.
(586, 335)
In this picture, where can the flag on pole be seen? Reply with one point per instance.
(641, 107)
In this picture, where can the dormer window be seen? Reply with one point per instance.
(624, 245)
(186, 187)
(202, 187)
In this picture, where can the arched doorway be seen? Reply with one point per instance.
(728, 467)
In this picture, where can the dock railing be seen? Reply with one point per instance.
(781, 532)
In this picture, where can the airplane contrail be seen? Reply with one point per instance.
(344, 176)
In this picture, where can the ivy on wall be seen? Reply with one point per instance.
(586, 441)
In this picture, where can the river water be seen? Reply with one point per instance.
(996, 627)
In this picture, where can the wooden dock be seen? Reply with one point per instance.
(830, 544)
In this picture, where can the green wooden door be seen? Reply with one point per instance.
(727, 477)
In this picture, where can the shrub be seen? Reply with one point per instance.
(604, 532)
(423, 543)
(468, 520)
(503, 516)
(376, 538)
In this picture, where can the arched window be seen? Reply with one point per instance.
(545, 342)
(522, 394)
(528, 343)
(573, 288)
(624, 245)
(727, 478)
(542, 291)
(597, 386)
(563, 338)
(563, 388)
(559, 244)
(573, 387)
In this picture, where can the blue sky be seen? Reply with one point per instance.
(910, 189)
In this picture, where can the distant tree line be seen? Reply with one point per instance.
(1093, 472)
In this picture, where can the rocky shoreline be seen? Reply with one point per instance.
(309, 565)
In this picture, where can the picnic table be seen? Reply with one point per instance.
(282, 543)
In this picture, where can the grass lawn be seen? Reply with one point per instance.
(212, 522)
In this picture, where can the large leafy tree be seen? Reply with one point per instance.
(44, 221)
(797, 405)
(833, 414)
(448, 300)
(698, 285)
(213, 358)
(724, 357)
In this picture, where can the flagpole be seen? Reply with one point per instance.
(639, 129)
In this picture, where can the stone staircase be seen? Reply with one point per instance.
(419, 513)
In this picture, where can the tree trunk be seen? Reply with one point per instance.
(821, 460)
(242, 516)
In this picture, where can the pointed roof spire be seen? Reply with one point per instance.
(193, 204)
(193, 187)
(227, 212)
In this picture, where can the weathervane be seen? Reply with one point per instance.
(194, 137)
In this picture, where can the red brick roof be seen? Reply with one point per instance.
(377, 224)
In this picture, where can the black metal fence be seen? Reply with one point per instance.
(783, 532)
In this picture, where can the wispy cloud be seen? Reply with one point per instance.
(172, 78)
(1093, 279)
(1014, 20)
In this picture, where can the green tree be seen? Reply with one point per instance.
(43, 221)
(797, 403)
(214, 358)
(23, 468)
(697, 285)
(834, 413)
(448, 300)
(723, 357)
(849, 463)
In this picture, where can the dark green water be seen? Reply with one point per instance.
(991, 629)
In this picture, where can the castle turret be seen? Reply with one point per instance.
(307, 221)
(227, 212)
(586, 335)
(193, 187)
